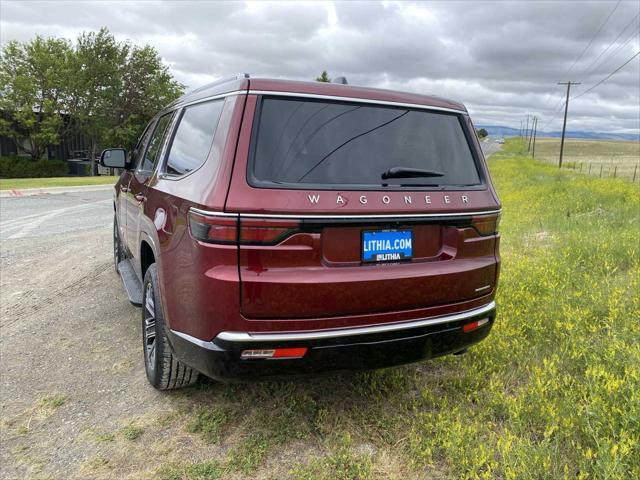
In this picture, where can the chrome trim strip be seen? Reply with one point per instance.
(338, 217)
(209, 98)
(196, 341)
(480, 289)
(346, 332)
(209, 213)
(356, 100)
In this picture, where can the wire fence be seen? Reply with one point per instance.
(614, 170)
(601, 158)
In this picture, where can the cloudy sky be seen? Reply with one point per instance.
(502, 60)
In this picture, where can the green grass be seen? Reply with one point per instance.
(131, 432)
(52, 402)
(552, 393)
(19, 183)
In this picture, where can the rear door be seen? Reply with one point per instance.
(142, 175)
(352, 208)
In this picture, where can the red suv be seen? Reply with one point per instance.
(272, 228)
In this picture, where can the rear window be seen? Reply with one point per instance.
(193, 137)
(315, 144)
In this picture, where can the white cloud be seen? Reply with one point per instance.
(502, 59)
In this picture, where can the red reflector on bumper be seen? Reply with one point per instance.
(468, 327)
(274, 353)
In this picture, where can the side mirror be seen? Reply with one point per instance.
(114, 158)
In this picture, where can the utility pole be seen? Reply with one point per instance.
(521, 125)
(526, 131)
(535, 130)
(531, 134)
(564, 124)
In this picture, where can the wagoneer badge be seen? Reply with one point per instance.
(386, 200)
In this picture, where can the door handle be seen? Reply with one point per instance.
(140, 197)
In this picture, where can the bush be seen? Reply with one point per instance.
(20, 167)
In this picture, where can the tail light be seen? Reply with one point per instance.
(486, 224)
(213, 228)
(266, 231)
(471, 326)
(232, 229)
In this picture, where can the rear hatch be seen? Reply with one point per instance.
(351, 208)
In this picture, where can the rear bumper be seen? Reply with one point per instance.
(360, 348)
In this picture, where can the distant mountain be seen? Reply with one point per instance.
(499, 131)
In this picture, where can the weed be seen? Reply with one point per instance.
(50, 403)
(342, 463)
(209, 421)
(131, 432)
(209, 470)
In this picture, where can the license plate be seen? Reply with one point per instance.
(387, 245)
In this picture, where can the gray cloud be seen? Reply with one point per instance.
(502, 59)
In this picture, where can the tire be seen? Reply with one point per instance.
(164, 370)
(118, 251)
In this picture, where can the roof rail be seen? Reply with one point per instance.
(220, 81)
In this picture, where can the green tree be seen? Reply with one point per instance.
(98, 63)
(108, 90)
(324, 77)
(34, 90)
(146, 87)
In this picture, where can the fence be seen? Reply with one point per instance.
(615, 170)
(602, 158)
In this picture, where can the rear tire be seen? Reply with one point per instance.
(164, 370)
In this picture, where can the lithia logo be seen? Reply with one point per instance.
(443, 199)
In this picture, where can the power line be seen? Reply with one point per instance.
(607, 77)
(561, 103)
(559, 108)
(593, 38)
(555, 114)
(587, 70)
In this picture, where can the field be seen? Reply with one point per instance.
(552, 393)
(598, 157)
(12, 183)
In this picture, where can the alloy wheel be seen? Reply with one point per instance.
(149, 328)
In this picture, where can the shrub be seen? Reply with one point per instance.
(19, 167)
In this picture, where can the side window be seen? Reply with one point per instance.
(136, 153)
(194, 137)
(152, 153)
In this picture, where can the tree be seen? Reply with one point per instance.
(34, 89)
(482, 133)
(146, 87)
(324, 77)
(98, 63)
(108, 90)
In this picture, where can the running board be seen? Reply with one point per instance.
(131, 283)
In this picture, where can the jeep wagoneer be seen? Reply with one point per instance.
(273, 228)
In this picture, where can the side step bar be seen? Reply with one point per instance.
(131, 283)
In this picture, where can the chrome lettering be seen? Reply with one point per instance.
(314, 198)
(363, 199)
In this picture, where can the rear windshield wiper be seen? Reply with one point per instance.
(402, 172)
